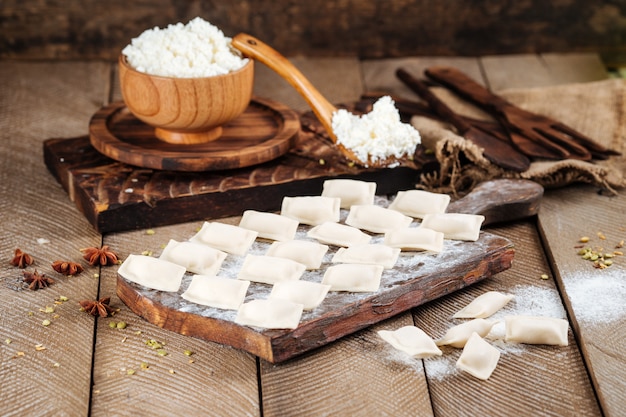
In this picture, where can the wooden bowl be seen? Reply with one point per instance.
(186, 110)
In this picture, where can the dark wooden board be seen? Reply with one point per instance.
(416, 279)
(115, 196)
(265, 131)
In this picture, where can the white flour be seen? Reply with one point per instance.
(377, 135)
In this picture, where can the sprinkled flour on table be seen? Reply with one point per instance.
(598, 296)
(377, 135)
(197, 49)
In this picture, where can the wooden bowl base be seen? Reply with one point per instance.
(188, 138)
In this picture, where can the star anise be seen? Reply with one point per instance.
(37, 281)
(97, 307)
(100, 256)
(67, 268)
(21, 259)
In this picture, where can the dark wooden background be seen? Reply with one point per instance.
(99, 29)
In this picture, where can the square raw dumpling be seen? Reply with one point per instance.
(484, 305)
(415, 239)
(305, 252)
(536, 330)
(225, 237)
(478, 358)
(195, 257)
(272, 313)
(312, 210)
(218, 292)
(458, 335)
(455, 226)
(338, 234)
(350, 192)
(353, 277)
(270, 269)
(368, 254)
(150, 272)
(269, 226)
(418, 203)
(309, 294)
(412, 340)
(376, 219)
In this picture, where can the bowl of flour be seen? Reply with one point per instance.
(185, 80)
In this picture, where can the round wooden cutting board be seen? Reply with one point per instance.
(265, 131)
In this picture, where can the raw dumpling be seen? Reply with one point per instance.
(415, 239)
(152, 272)
(478, 358)
(270, 269)
(305, 252)
(455, 226)
(309, 294)
(338, 234)
(353, 277)
(376, 219)
(225, 237)
(218, 292)
(311, 210)
(272, 313)
(484, 305)
(350, 192)
(536, 330)
(412, 340)
(195, 257)
(368, 254)
(418, 203)
(270, 226)
(457, 336)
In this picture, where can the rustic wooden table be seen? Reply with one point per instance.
(78, 365)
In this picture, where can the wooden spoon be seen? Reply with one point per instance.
(323, 109)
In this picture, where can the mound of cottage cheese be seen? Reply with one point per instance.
(197, 49)
(377, 135)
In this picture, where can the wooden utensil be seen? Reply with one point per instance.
(495, 150)
(543, 130)
(323, 109)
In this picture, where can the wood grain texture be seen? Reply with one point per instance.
(595, 298)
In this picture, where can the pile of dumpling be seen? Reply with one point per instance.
(479, 358)
(357, 265)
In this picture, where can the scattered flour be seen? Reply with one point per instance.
(197, 49)
(598, 296)
(377, 135)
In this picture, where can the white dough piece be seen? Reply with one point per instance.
(457, 336)
(376, 219)
(270, 226)
(353, 277)
(218, 292)
(418, 203)
(225, 237)
(536, 330)
(412, 340)
(269, 269)
(305, 252)
(311, 210)
(368, 254)
(350, 192)
(152, 272)
(272, 313)
(195, 257)
(338, 234)
(478, 358)
(455, 226)
(484, 305)
(415, 239)
(309, 294)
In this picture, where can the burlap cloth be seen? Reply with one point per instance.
(596, 109)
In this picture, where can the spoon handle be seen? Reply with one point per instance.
(256, 49)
